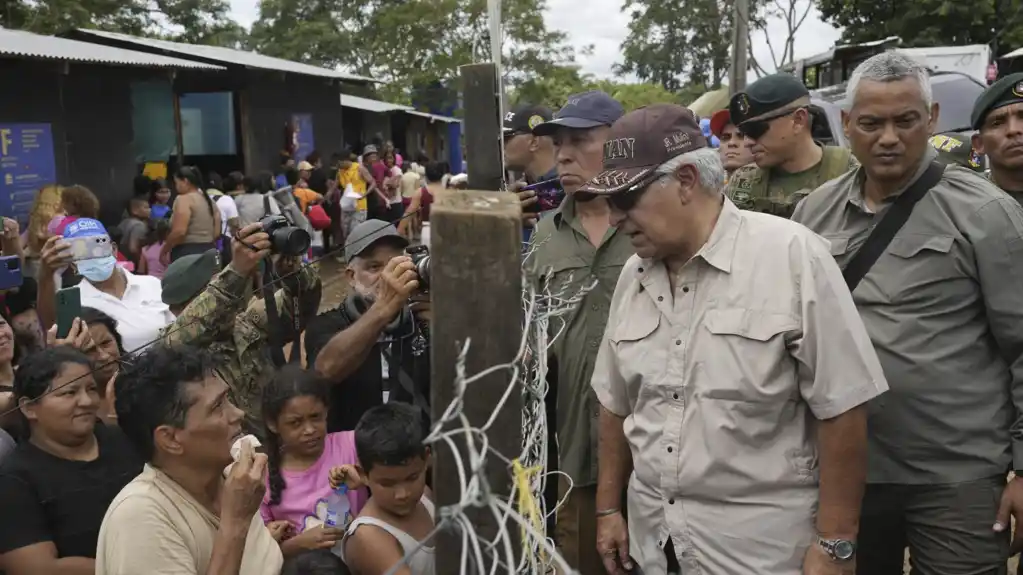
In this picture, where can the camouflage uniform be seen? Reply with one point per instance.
(751, 188)
(224, 319)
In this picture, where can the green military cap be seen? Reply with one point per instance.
(1008, 90)
(770, 93)
(187, 276)
(955, 148)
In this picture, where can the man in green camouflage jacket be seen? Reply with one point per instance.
(220, 313)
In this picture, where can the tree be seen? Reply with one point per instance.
(555, 87)
(793, 13)
(674, 42)
(929, 22)
(408, 44)
(195, 21)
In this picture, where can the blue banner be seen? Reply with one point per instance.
(27, 165)
(303, 136)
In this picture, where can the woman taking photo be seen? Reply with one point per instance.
(60, 480)
(195, 221)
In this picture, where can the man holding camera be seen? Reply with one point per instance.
(375, 346)
(215, 311)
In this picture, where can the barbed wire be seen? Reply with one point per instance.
(164, 333)
(524, 508)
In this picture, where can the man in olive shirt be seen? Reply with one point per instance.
(576, 247)
(998, 117)
(943, 305)
(774, 113)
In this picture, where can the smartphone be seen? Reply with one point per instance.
(549, 196)
(69, 306)
(90, 247)
(10, 272)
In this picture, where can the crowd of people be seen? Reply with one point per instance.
(788, 358)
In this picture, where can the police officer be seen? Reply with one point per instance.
(998, 117)
(774, 116)
(524, 152)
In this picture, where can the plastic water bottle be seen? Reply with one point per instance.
(339, 510)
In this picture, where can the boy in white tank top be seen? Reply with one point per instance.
(397, 521)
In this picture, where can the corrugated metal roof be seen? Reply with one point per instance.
(434, 117)
(371, 105)
(20, 43)
(228, 56)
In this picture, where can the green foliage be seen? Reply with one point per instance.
(408, 44)
(554, 88)
(195, 21)
(929, 22)
(675, 42)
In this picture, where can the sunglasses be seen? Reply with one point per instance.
(755, 129)
(509, 135)
(626, 199)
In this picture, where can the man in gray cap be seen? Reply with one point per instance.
(774, 114)
(376, 340)
(574, 246)
(214, 310)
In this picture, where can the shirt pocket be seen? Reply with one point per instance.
(640, 358)
(918, 265)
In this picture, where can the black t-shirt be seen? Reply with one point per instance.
(363, 390)
(46, 498)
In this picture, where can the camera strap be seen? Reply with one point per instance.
(397, 373)
(273, 321)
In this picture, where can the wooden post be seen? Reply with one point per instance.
(481, 127)
(476, 282)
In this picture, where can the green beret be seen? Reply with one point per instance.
(187, 276)
(955, 148)
(766, 95)
(1008, 90)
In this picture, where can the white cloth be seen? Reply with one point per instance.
(140, 314)
(350, 199)
(228, 210)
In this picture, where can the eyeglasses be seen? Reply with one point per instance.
(626, 199)
(755, 129)
(509, 135)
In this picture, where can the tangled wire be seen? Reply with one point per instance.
(524, 508)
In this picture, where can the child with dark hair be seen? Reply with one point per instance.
(320, 562)
(393, 461)
(149, 261)
(301, 456)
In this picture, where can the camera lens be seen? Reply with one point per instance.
(423, 271)
(289, 241)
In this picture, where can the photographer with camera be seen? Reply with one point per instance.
(217, 313)
(376, 343)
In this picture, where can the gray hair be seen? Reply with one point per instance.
(890, 66)
(708, 165)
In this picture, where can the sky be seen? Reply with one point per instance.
(604, 25)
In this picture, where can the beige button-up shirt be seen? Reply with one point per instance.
(720, 385)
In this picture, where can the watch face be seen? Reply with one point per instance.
(844, 550)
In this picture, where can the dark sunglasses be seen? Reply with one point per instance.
(626, 199)
(509, 135)
(755, 129)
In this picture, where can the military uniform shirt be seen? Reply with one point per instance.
(565, 257)
(776, 192)
(944, 308)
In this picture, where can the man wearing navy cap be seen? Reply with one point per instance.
(998, 117)
(774, 114)
(579, 246)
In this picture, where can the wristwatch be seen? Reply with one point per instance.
(838, 549)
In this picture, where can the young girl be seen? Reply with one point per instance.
(150, 262)
(300, 456)
(159, 200)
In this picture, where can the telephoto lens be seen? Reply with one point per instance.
(285, 239)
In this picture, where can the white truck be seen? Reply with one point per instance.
(971, 60)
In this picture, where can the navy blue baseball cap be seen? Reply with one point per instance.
(582, 111)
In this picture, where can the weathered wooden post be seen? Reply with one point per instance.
(481, 126)
(476, 282)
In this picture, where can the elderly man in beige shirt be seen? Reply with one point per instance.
(732, 374)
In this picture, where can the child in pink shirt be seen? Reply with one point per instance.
(301, 455)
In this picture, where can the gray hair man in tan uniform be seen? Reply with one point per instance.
(943, 304)
(732, 376)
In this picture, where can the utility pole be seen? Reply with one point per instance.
(740, 46)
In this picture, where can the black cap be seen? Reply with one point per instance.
(1008, 90)
(582, 111)
(524, 118)
(955, 148)
(641, 141)
(188, 275)
(766, 95)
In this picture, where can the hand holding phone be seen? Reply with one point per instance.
(69, 307)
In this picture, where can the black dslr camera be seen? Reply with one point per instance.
(421, 259)
(285, 239)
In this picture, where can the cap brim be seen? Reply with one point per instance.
(611, 182)
(719, 121)
(548, 128)
(374, 239)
